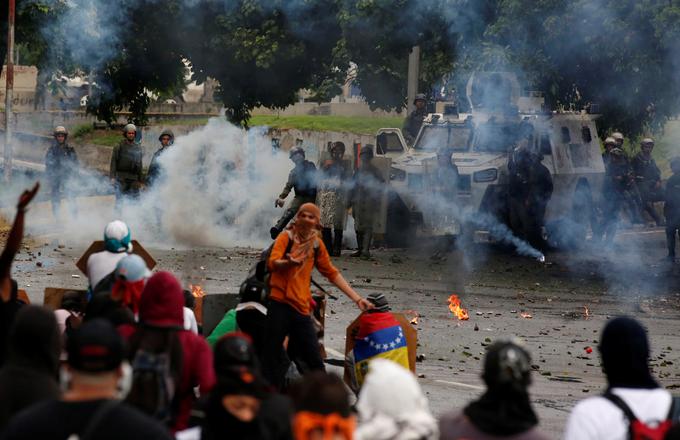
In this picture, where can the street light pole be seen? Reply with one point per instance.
(9, 91)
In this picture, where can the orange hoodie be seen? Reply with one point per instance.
(292, 285)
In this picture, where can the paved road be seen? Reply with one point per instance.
(495, 285)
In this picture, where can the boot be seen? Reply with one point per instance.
(365, 249)
(327, 237)
(360, 244)
(337, 243)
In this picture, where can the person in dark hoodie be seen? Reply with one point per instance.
(9, 303)
(160, 339)
(504, 410)
(241, 405)
(624, 350)
(32, 367)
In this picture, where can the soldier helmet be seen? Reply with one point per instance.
(60, 129)
(129, 127)
(616, 152)
(296, 150)
(610, 141)
(167, 132)
(366, 151)
(338, 146)
(420, 97)
(617, 136)
(647, 141)
(507, 365)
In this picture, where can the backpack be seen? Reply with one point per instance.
(153, 386)
(255, 288)
(637, 429)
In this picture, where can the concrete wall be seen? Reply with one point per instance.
(328, 109)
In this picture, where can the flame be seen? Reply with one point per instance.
(197, 291)
(586, 312)
(413, 315)
(456, 309)
(526, 315)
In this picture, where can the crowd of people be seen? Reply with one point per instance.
(124, 361)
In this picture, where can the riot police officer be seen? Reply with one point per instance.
(61, 163)
(367, 187)
(444, 186)
(648, 179)
(126, 164)
(303, 180)
(331, 198)
(166, 138)
(414, 121)
(618, 180)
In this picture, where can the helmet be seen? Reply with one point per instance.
(129, 127)
(420, 97)
(610, 141)
(60, 129)
(366, 151)
(167, 132)
(296, 150)
(234, 350)
(647, 141)
(132, 268)
(338, 146)
(617, 136)
(508, 365)
(117, 237)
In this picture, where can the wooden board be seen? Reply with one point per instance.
(411, 341)
(98, 246)
(54, 295)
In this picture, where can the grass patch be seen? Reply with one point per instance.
(106, 137)
(352, 124)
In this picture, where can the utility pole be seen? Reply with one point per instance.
(413, 74)
(9, 91)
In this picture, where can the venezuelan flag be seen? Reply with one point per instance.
(380, 336)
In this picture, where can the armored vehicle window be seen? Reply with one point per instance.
(545, 147)
(566, 138)
(585, 134)
(580, 156)
(389, 142)
(434, 137)
(496, 138)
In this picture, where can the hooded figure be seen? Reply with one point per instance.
(166, 138)
(624, 350)
(392, 406)
(117, 244)
(161, 333)
(241, 404)
(30, 374)
(504, 410)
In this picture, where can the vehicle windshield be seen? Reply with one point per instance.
(495, 138)
(434, 137)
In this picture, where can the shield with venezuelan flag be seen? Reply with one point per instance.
(379, 335)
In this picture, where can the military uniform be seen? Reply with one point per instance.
(671, 211)
(332, 202)
(154, 167)
(301, 179)
(126, 168)
(367, 187)
(61, 163)
(413, 123)
(618, 180)
(519, 176)
(648, 177)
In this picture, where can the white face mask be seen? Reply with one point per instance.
(125, 381)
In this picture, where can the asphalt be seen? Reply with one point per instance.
(543, 304)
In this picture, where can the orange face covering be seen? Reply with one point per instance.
(305, 231)
(305, 423)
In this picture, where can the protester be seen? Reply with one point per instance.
(504, 410)
(168, 362)
(69, 316)
(322, 409)
(190, 322)
(126, 282)
(288, 313)
(9, 303)
(117, 244)
(379, 335)
(32, 367)
(392, 406)
(624, 350)
(88, 410)
(241, 406)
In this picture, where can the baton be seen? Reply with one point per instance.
(324, 291)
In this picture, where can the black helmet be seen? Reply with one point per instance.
(420, 97)
(507, 365)
(234, 350)
(338, 146)
(296, 150)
